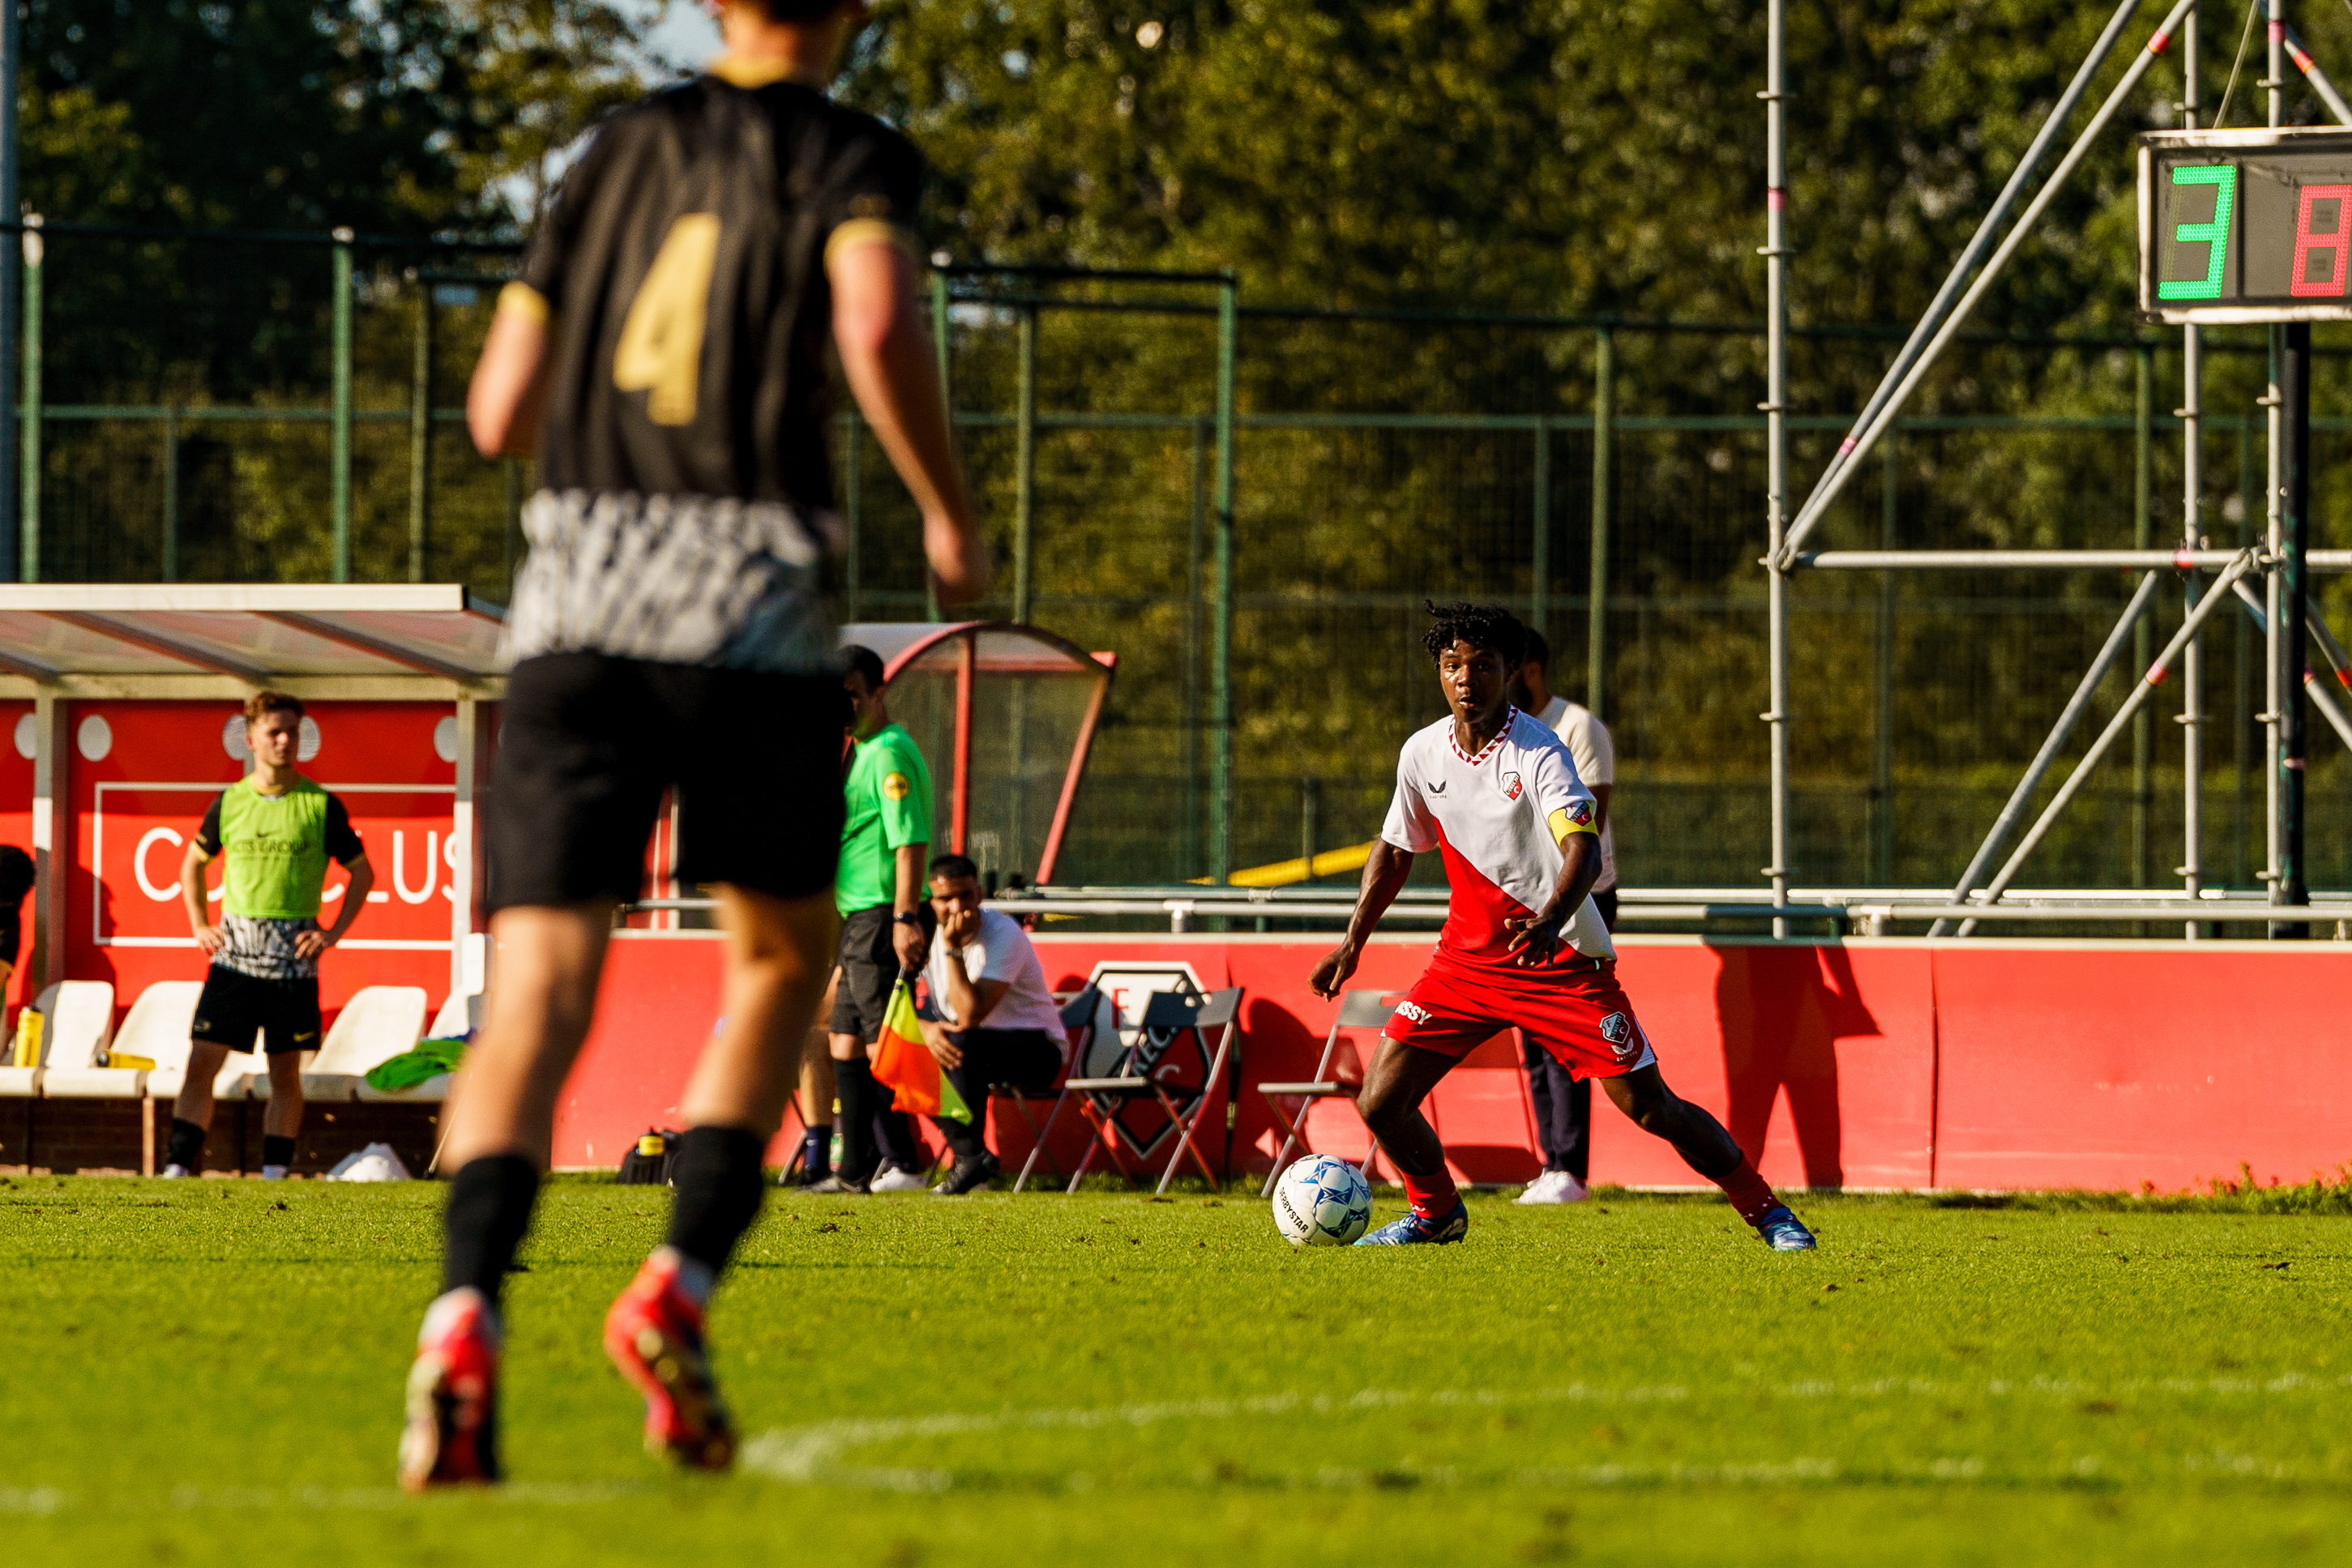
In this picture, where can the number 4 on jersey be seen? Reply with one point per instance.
(660, 347)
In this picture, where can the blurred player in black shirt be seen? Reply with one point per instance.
(663, 353)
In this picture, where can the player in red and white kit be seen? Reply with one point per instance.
(1497, 794)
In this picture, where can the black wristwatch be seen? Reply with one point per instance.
(909, 918)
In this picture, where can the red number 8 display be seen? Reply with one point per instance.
(2335, 244)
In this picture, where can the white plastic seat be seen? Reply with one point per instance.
(78, 1017)
(377, 1024)
(459, 1017)
(156, 1028)
(83, 1017)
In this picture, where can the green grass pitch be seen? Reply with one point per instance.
(210, 1373)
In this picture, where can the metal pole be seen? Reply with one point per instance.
(2313, 685)
(1933, 316)
(853, 511)
(1604, 475)
(28, 502)
(1834, 482)
(1193, 558)
(1221, 634)
(1776, 439)
(939, 346)
(2192, 415)
(420, 436)
(2274, 62)
(2272, 695)
(2318, 78)
(1540, 569)
(2242, 721)
(2076, 705)
(171, 494)
(1882, 760)
(2143, 536)
(2141, 691)
(341, 481)
(2291, 624)
(1310, 813)
(11, 65)
(2279, 690)
(1024, 495)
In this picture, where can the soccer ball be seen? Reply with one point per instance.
(1322, 1202)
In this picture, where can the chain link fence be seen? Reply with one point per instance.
(205, 407)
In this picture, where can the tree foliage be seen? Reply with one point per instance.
(387, 115)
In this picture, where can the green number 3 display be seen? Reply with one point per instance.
(2214, 237)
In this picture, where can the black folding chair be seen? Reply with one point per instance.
(1077, 1035)
(1148, 1067)
(1358, 1010)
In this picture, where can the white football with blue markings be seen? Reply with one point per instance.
(1322, 1201)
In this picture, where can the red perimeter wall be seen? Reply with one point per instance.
(1867, 1064)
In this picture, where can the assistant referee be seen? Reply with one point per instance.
(278, 830)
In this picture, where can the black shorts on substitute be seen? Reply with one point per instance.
(235, 1006)
(869, 973)
(587, 744)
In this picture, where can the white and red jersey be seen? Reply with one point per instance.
(1498, 818)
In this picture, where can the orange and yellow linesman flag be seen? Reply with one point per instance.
(903, 1061)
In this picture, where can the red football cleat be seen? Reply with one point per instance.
(452, 1437)
(653, 1335)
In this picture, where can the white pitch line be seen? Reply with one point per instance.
(811, 1453)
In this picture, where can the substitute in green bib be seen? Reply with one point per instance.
(879, 888)
(278, 830)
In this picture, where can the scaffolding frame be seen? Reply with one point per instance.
(2283, 612)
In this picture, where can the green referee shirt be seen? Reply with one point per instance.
(889, 797)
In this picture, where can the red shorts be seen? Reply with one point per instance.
(1579, 1015)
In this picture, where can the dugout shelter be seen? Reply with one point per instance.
(123, 704)
(1006, 716)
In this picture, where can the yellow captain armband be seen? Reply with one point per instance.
(522, 299)
(855, 232)
(1565, 821)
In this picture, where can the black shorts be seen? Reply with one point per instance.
(869, 972)
(237, 1005)
(588, 743)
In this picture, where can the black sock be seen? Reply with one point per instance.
(817, 1152)
(854, 1081)
(276, 1151)
(187, 1145)
(717, 1175)
(489, 1209)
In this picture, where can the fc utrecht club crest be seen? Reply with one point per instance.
(1618, 1031)
(1512, 788)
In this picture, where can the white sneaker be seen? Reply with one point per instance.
(273, 1173)
(177, 1172)
(896, 1180)
(1554, 1186)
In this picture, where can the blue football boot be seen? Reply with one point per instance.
(1783, 1231)
(1412, 1230)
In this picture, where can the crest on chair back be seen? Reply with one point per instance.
(1178, 1062)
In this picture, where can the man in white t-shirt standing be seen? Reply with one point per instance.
(994, 1021)
(1563, 1102)
(1587, 740)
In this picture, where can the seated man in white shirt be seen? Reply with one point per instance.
(994, 1021)
(1563, 1103)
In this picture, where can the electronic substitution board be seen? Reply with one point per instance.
(2245, 225)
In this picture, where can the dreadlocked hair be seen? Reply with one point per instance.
(1489, 626)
